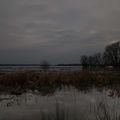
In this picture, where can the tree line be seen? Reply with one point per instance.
(110, 57)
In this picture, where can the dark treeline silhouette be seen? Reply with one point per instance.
(112, 55)
(92, 62)
(110, 58)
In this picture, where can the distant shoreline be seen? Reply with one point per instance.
(39, 65)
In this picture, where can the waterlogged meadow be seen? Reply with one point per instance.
(66, 104)
(60, 96)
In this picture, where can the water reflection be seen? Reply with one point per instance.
(65, 104)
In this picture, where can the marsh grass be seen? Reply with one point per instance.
(48, 82)
(101, 112)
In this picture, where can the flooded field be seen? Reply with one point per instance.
(12, 69)
(64, 104)
(69, 95)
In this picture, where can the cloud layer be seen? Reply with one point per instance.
(59, 31)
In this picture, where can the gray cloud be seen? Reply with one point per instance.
(59, 31)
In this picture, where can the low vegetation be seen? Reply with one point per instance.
(47, 82)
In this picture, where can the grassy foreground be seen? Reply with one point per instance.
(48, 82)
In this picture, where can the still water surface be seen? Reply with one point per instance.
(12, 69)
(65, 104)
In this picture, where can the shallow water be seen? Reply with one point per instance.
(12, 69)
(66, 104)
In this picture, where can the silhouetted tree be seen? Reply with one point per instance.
(112, 55)
(92, 62)
(98, 60)
(84, 61)
(45, 65)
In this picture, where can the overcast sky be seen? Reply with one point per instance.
(58, 31)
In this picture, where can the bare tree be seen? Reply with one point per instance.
(45, 65)
(92, 62)
(84, 61)
(112, 55)
(98, 60)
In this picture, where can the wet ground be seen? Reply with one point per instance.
(64, 104)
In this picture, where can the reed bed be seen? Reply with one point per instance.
(48, 82)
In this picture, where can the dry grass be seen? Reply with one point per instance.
(48, 82)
